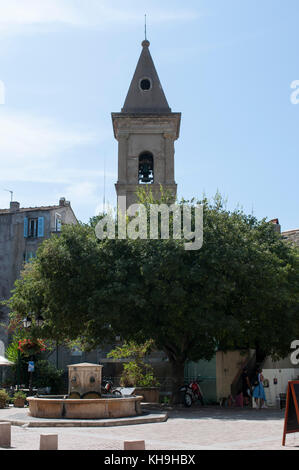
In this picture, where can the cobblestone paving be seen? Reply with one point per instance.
(192, 429)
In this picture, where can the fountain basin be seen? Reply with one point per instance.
(85, 409)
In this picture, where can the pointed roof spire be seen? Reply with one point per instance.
(146, 94)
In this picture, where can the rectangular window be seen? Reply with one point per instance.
(57, 223)
(32, 228)
(29, 256)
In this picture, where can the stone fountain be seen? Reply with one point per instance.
(84, 399)
(85, 380)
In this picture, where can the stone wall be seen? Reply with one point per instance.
(292, 236)
(228, 365)
(15, 248)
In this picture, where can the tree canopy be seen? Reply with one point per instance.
(240, 290)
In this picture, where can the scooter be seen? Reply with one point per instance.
(107, 388)
(192, 393)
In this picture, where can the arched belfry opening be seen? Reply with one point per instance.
(146, 168)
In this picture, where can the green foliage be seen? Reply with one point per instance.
(136, 372)
(20, 363)
(240, 290)
(12, 352)
(19, 394)
(166, 400)
(132, 350)
(93, 221)
(46, 375)
(4, 398)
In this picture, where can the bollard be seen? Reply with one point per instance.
(5, 434)
(134, 445)
(48, 442)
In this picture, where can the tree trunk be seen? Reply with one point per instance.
(177, 368)
(260, 354)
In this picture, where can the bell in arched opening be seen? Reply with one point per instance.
(146, 168)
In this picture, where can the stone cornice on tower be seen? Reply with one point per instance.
(147, 123)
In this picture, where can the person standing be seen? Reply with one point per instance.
(259, 392)
(246, 386)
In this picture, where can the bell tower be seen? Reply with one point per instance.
(146, 130)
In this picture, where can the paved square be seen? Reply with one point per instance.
(186, 429)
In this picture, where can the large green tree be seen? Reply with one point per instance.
(239, 290)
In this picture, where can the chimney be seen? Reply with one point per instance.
(14, 206)
(62, 201)
(276, 224)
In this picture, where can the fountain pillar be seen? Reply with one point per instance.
(85, 380)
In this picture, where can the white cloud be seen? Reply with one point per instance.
(84, 191)
(31, 148)
(26, 136)
(42, 15)
(24, 12)
(87, 194)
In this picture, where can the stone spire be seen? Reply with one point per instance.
(146, 94)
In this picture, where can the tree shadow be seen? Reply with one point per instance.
(227, 414)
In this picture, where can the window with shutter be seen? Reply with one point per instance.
(25, 227)
(41, 227)
(57, 222)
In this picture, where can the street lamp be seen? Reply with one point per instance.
(39, 321)
(27, 322)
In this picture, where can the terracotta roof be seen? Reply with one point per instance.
(295, 230)
(30, 209)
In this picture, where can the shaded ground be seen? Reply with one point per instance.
(191, 429)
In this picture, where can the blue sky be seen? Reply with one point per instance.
(226, 65)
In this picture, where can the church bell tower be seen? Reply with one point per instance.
(146, 130)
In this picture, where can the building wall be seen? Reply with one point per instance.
(12, 250)
(281, 364)
(205, 371)
(292, 236)
(16, 248)
(278, 382)
(228, 365)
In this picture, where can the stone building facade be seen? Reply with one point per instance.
(292, 236)
(288, 235)
(22, 230)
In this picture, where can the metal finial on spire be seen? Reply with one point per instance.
(104, 199)
(145, 43)
(145, 28)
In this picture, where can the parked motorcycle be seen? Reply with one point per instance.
(192, 393)
(107, 388)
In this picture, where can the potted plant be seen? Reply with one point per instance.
(31, 347)
(136, 372)
(19, 399)
(4, 397)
